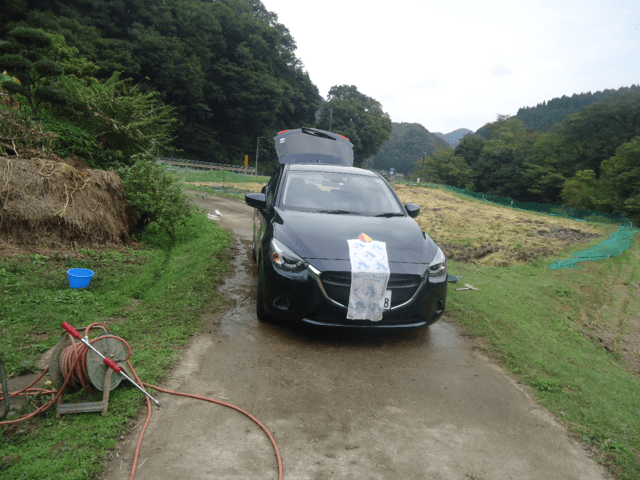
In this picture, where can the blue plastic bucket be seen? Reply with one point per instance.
(79, 277)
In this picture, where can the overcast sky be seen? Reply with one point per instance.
(459, 63)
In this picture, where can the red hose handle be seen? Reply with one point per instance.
(71, 330)
(112, 365)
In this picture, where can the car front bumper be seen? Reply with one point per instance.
(320, 297)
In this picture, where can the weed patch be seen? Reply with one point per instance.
(152, 297)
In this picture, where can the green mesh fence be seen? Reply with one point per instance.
(617, 242)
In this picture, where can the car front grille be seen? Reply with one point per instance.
(338, 286)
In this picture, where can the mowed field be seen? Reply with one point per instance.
(481, 232)
(471, 230)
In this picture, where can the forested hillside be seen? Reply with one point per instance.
(228, 68)
(591, 160)
(406, 147)
(546, 114)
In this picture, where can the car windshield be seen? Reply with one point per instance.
(340, 193)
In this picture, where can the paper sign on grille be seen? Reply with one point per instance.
(369, 277)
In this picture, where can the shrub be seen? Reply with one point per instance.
(155, 194)
(123, 119)
(72, 140)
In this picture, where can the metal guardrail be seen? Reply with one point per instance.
(180, 162)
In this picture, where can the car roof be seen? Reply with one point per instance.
(320, 167)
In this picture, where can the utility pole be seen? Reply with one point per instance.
(330, 117)
(257, 147)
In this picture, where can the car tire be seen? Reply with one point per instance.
(261, 313)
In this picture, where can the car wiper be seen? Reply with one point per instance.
(315, 133)
(339, 212)
(397, 214)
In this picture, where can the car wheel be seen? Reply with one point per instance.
(262, 314)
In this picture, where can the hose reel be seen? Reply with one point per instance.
(89, 369)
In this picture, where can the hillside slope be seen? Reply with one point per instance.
(407, 144)
(453, 138)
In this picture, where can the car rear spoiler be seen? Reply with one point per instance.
(311, 145)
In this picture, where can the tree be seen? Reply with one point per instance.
(580, 190)
(547, 166)
(596, 132)
(470, 148)
(500, 168)
(620, 181)
(358, 117)
(447, 168)
(26, 57)
(227, 66)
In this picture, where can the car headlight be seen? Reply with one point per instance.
(437, 269)
(283, 257)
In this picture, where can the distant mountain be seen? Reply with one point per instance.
(546, 114)
(407, 144)
(453, 138)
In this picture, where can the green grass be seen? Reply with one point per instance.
(533, 321)
(157, 294)
(218, 176)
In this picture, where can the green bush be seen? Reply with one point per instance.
(18, 130)
(155, 194)
(123, 118)
(72, 140)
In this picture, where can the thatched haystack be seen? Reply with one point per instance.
(50, 203)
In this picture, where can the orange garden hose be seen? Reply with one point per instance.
(73, 366)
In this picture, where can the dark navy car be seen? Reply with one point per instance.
(319, 221)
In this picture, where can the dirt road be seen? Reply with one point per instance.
(342, 405)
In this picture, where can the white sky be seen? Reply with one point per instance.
(459, 63)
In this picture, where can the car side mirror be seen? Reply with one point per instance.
(412, 209)
(256, 200)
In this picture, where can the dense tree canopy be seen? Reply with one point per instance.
(26, 55)
(619, 186)
(446, 168)
(589, 160)
(548, 113)
(358, 117)
(227, 67)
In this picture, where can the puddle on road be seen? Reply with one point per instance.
(239, 287)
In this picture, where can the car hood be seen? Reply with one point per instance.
(324, 236)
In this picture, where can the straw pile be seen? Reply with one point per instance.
(50, 203)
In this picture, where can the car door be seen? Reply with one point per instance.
(260, 218)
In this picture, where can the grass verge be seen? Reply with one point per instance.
(152, 297)
(540, 323)
(219, 182)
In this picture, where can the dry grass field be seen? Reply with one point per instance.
(471, 230)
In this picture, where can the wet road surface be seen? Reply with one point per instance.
(342, 405)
